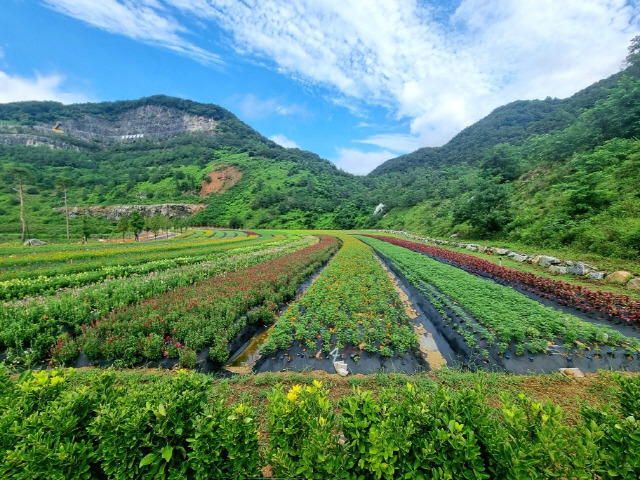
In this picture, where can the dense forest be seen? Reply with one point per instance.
(554, 173)
(549, 173)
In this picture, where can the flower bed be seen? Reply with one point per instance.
(609, 305)
(206, 315)
(45, 274)
(505, 316)
(28, 328)
(352, 302)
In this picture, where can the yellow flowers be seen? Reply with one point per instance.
(294, 392)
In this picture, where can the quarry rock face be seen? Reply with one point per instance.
(145, 122)
(116, 212)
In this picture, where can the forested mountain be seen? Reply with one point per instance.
(161, 150)
(553, 173)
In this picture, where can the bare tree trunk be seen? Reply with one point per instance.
(66, 212)
(22, 219)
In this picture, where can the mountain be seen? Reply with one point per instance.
(550, 173)
(555, 173)
(163, 150)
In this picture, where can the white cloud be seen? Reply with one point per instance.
(396, 142)
(14, 88)
(283, 141)
(251, 107)
(442, 73)
(143, 20)
(358, 162)
(441, 69)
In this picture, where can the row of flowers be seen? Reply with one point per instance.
(209, 314)
(608, 304)
(69, 425)
(38, 278)
(29, 327)
(504, 315)
(352, 302)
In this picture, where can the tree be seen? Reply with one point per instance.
(235, 222)
(123, 226)
(137, 224)
(633, 57)
(156, 224)
(62, 183)
(20, 175)
(88, 227)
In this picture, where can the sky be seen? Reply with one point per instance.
(356, 81)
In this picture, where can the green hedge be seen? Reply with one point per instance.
(63, 425)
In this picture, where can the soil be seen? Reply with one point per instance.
(221, 179)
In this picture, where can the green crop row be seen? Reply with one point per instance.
(62, 425)
(123, 266)
(29, 328)
(352, 302)
(30, 280)
(507, 314)
(209, 314)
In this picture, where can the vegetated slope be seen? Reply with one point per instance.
(159, 150)
(553, 173)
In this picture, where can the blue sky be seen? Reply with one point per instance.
(357, 82)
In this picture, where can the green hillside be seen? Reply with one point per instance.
(279, 187)
(552, 173)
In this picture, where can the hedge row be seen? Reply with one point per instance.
(61, 425)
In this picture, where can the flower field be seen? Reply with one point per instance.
(40, 274)
(29, 327)
(353, 303)
(492, 316)
(607, 304)
(209, 314)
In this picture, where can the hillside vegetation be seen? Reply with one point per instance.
(548, 174)
(551, 173)
(283, 187)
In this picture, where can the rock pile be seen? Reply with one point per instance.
(555, 265)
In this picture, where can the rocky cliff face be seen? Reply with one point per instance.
(116, 212)
(149, 121)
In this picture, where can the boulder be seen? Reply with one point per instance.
(535, 259)
(579, 268)
(501, 251)
(597, 275)
(621, 276)
(34, 242)
(520, 258)
(546, 261)
(634, 283)
(558, 269)
(472, 246)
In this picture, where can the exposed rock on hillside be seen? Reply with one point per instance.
(148, 121)
(116, 212)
